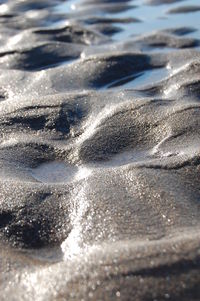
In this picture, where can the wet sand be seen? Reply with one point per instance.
(99, 150)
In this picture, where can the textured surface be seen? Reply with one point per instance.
(99, 150)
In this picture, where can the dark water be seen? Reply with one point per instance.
(99, 150)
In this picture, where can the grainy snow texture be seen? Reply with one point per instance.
(99, 150)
